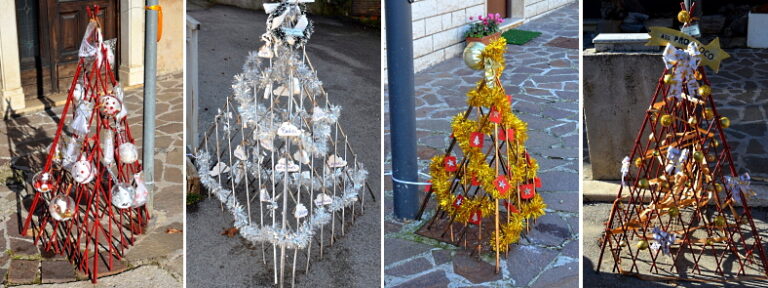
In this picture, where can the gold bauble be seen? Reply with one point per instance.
(683, 16)
(705, 90)
(711, 158)
(715, 143)
(666, 120)
(643, 183)
(719, 221)
(718, 187)
(709, 114)
(473, 55)
(638, 162)
(642, 244)
(673, 211)
(698, 156)
(697, 75)
(725, 122)
(668, 78)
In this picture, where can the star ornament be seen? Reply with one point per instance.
(476, 139)
(494, 116)
(450, 163)
(527, 191)
(712, 54)
(459, 200)
(502, 185)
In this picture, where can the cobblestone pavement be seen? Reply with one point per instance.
(544, 83)
(595, 214)
(24, 138)
(740, 90)
(351, 76)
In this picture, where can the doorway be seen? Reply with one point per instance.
(49, 34)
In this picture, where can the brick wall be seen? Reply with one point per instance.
(439, 25)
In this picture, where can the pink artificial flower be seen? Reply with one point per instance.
(480, 17)
(471, 18)
(498, 16)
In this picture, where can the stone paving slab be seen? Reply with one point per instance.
(22, 142)
(544, 83)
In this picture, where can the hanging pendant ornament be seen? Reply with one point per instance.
(323, 199)
(240, 153)
(264, 195)
(128, 153)
(219, 169)
(83, 171)
(336, 162)
(288, 130)
(43, 182)
(282, 90)
(109, 105)
(285, 165)
(62, 207)
(79, 92)
(122, 195)
(265, 52)
(82, 115)
(300, 211)
(301, 156)
(107, 139)
(117, 91)
(142, 193)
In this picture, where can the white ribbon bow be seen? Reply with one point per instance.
(682, 64)
(676, 158)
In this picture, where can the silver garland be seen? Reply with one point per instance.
(298, 239)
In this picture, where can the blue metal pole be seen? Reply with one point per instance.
(402, 111)
(150, 77)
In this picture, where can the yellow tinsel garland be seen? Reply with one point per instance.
(521, 170)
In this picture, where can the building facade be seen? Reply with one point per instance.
(39, 40)
(439, 25)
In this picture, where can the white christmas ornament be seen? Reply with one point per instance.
(264, 195)
(301, 156)
(219, 169)
(141, 195)
(107, 139)
(83, 171)
(122, 195)
(285, 165)
(240, 153)
(283, 91)
(43, 182)
(336, 162)
(323, 199)
(128, 153)
(288, 130)
(300, 211)
(265, 52)
(110, 105)
(62, 207)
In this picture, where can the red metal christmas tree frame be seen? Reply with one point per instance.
(97, 231)
(696, 203)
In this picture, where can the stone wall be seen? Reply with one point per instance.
(170, 49)
(618, 87)
(439, 25)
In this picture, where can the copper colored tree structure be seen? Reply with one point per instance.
(682, 211)
(89, 197)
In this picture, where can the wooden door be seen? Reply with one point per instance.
(498, 6)
(60, 28)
